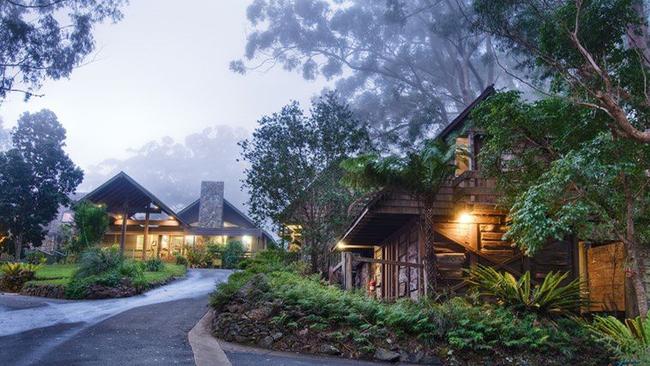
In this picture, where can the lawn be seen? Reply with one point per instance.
(55, 271)
(60, 274)
(170, 270)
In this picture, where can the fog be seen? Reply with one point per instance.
(158, 94)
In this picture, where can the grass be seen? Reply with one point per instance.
(55, 271)
(170, 270)
(60, 274)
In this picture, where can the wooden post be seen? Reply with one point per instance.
(145, 240)
(347, 270)
(159, 245)
(125, 215)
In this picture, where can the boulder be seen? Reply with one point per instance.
(260, 313)
(382, 354)
(328, 349)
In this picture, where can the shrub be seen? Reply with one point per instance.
(35, 257)
(94, 261)
(548, 298)
(197, 257)
(629, 340)
(233, 253)
(15, 275)
(154, 265)
(180, 260)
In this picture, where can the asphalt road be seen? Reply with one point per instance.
(150, 329)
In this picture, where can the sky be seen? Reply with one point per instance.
(162, 71)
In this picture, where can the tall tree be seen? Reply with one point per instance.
(36, 177)
(293, 160)
(421, 173)
(47, 39)
(5, 138)
(595, 53)
(405, 65)
(564, 173)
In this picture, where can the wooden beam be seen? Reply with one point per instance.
(145, 241)
(125, 215)
(388, 262)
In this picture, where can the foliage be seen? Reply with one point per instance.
(47, 39)
(594, 54)
(98, 260)
(169, 271)
(91, 222)
(16, 274)
(406, 66)
(455, 324)
(548, 298)
(233, 254)
(154, 265)
(35, 257)
(630, 340)
(36, 177)
(198, 256)
(181, 260)
(293, 174)
(419, 172)
(565, 173)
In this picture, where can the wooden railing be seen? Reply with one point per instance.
(471, 187)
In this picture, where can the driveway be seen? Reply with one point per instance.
(150, 329)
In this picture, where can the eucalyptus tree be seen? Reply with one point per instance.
(406, 66)
(594, 53)
(564, 173)
(419, 172)
(42, 39)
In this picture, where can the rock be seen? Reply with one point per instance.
(382, 354)
(303, 332)
(328, 349)
(266, 342)
(261, 313)
(235, 308)
(276, 336)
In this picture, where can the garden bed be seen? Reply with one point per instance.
(271, 307)
(52, 281)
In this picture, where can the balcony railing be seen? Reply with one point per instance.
(470, 187)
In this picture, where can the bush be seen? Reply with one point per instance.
(180, 260)
(95, 261)
(630, 340)
(197, 257)
(36, 257)
(154, 265)
(548, 298)
(233, 253)
(364, 323)
(15, 275)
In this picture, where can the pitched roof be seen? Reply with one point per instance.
(460, 120)
(123, 190)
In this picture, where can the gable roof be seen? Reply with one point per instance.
(121, 189)
(460, 120)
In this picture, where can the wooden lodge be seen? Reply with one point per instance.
(145, 227)
(382, 250)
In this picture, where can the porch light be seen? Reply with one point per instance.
(340, 245)
(465, 218)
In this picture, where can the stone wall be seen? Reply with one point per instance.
(211, 205)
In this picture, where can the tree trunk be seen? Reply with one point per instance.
(430, 262)
(18, 247)
(637, 34)
(633, 253)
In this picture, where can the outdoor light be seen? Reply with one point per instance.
(340, 245)
(465, 218)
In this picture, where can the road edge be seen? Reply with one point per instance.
(206, 348)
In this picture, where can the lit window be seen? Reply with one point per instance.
(247, 240)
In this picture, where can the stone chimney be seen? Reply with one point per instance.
(211, 205)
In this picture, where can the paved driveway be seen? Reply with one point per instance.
(149, 329)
